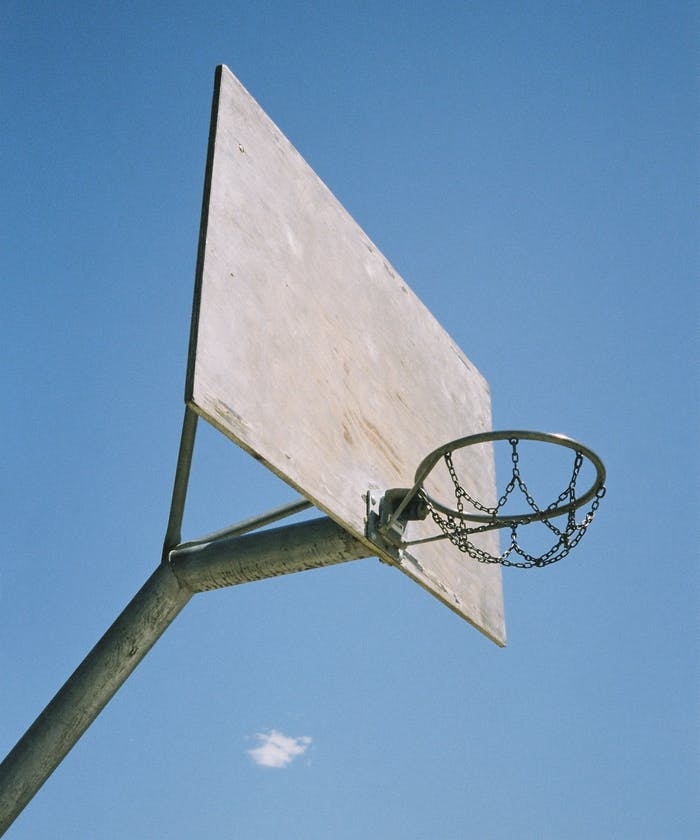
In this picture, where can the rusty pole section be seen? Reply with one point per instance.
(222, 562)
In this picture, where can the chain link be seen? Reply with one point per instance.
(460, 534)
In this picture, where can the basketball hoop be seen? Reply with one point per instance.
(470, 516)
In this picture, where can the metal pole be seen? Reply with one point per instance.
(52, 735)
(248, 525)
(278, 551)
(182, 477)
(223, 562)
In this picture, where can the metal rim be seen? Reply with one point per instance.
(428, 463)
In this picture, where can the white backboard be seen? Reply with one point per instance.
(310, 352)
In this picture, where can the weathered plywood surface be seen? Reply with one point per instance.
(309, 351)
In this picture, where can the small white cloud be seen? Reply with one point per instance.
(277, 750)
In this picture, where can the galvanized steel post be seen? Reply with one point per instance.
(222, 562)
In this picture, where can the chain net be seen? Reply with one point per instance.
(566, 535)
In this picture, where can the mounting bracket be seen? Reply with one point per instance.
(384, 526)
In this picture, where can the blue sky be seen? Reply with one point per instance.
(531, 169)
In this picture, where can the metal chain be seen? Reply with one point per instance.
(567, 538)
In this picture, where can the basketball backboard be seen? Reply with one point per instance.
(310, 352)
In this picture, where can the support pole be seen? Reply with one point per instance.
(279, 551)
(189, 569)
(52, 735)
